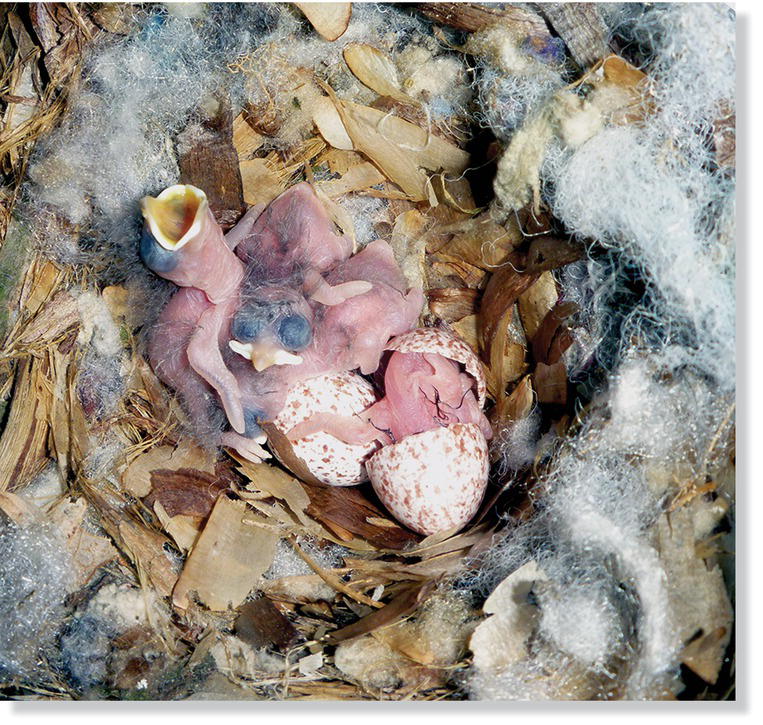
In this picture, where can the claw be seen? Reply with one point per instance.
(247, 447)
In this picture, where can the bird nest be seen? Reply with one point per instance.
(139, 561)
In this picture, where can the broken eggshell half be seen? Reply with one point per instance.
(328, 459)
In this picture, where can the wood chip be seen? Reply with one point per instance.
(472, 17)
(520, 402)
(553, 338)
(329, 19)
(18, 509)
(208, 159)
(547, 252)
(401, 606)
(261, 624)
(245, 139)
(23, 446)
(136, 478)
(454, 267)
(409, 246)
(453, 303)
(356, 178)
(513, 621)
(536, 302)
(496, 315)
(402, 150)
(375, 70)
(188, 491)
(551, 383)
(480, 241)
(329, 123)
(278, 483)
(467, 328)
(260, 184)
(348, 507)
(145, 548)
(227, 559)
(184, 530)
(581, 27)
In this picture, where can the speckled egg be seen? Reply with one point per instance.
(432, 481)
(441, 342)
(328, 459)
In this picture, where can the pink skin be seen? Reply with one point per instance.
(205, 358)
(186, 340)
(172, 348)
(422, 391)
(244, 226)
(425, 391)
(168, 350)
(347, 336)
(207, 263)
(356, 308)
(355, 333)
(295, 234)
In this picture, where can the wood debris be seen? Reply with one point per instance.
(234, 549)
(401, 150)
(204, 535)
(329, 19)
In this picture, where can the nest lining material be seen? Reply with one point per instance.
(596, 284)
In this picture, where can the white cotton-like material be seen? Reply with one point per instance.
(45, 488)
(97, 325)
(366, 212)
(518, 443)
(580, 622)
(286, 561)
(36, 571)
(654, 356)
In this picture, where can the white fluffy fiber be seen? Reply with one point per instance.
(653, 197)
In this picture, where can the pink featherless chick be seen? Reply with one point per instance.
(294, 237)
(350, 335)
(183, 243)
(169, 353)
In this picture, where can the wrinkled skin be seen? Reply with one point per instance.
(355, 333)
(202, 258)
(422, 391)
(300, 304)
(293, 232)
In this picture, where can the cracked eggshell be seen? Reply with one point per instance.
(327, 459)
(432, 481)
(450, 346)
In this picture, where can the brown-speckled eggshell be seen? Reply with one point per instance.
(447, 344)
(330, 460)
(432, 481)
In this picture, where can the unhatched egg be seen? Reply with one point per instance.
(326, 458)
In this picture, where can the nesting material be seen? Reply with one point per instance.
(560, 187)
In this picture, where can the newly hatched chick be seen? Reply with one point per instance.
(295, 237)
(300, 307)
(355, 332)
(183, 243)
